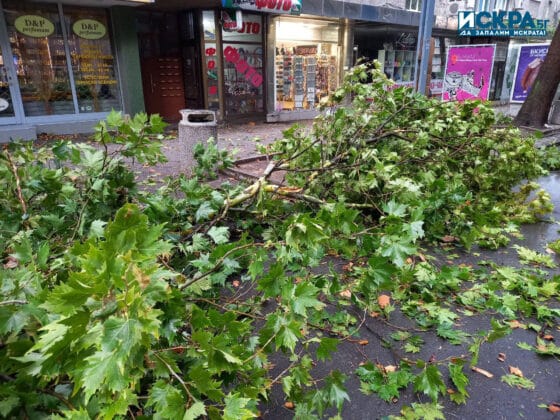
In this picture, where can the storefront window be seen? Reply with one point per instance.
(243, 67)
(6, 106)
(39, 56)
(307, 62)
(211, 60)
(53, 73)
(93, 63)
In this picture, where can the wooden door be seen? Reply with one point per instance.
(164, 92)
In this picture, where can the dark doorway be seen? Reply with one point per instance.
(170, 63)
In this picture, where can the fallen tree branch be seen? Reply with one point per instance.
(19, 191)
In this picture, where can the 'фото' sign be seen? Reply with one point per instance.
(292, 7)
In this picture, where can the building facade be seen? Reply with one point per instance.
(65, 64)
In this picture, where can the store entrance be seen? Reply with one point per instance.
(168, 59)
(162, 81)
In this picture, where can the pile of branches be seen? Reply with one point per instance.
(122, 302)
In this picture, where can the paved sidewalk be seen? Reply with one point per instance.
(244, 139)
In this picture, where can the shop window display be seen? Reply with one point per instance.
(93, 63)
(60, 57)
(39, 58)
(211, 60)
(306, 69)
(243, 67)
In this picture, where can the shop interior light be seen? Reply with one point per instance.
(297, 31)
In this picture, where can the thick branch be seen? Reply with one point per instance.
(18, 181)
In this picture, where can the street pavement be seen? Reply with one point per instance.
(244, 139)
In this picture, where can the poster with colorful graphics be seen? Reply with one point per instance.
(530, 59)
(468, 72)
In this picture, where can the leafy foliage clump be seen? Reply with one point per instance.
(397, 154)
(192, 301)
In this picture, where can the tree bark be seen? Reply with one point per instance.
(535, 109)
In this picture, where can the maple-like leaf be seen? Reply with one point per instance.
(430, 382)
(236, 408)
(335, 390)
(304, 297)
(397, 248)
(167, 401)
(460, 380)
(220, 235)
(327, 346)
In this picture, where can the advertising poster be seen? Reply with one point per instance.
(468, 72)
(531, 57)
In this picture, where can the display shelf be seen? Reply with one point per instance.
(302, 79)
(397, 64)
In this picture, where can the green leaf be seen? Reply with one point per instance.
(380, 272)
(288, 336)
(426, 411)
(305, 296)
(121, 335)
(167, 401)
(97, 229)
(415, 229)
(327, 346)
(400, 335)
(547, 348)
(220, 235)
(528, 256)
(517, 382)
(498, 331)
(7, 404)
(453, 336)
(236, 408)
(525, 346)
(195, 411)
(231, 358)
(430, 382)
(386, 384)
(103, 369)
(411, 348)
(114, 119)
(204, 212)
(397, 248)
(460, 380)
(393, 208)
(335, 390)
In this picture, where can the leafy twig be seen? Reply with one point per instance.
(13, 302)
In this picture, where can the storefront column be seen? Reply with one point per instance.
(347, 46)
(128, 59)
(270, 66)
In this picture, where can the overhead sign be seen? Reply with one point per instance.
(468, 72)
(89, 29)
(291, 7)
(500, 23)
(34, 26)
(531, 57)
